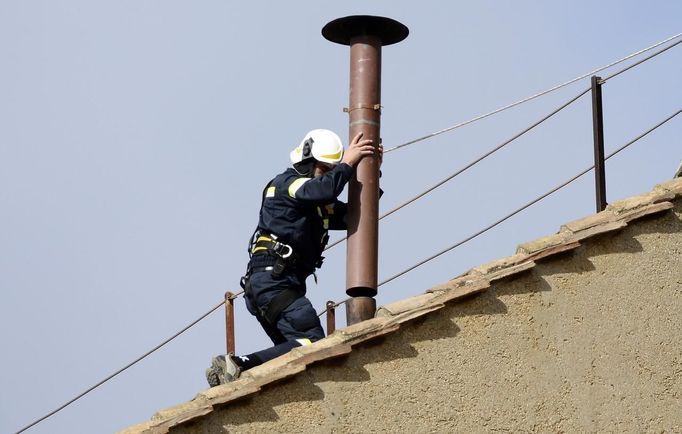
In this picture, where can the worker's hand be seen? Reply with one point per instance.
(357, 149)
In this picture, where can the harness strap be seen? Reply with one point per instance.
(280, 302)
(266, 243)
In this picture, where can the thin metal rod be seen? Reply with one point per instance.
(598, 134)
(331, 317)
(229, 321)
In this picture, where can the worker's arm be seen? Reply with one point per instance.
(338, 210)
(321, 189)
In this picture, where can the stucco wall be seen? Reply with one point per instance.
(589, 341)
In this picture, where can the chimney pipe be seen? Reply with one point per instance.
(365, 35)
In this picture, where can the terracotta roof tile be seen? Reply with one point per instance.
(176, 415)
(638, 202)
(405, 305)
(446, 293)
(588, 222)
(366, 330)
(602, 228)
(554, 250)
(418, 311)
(541, 244)
(674, 186)
(229, 392)
(505, 267)
(640, 212)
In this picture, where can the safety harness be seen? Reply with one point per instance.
(266, 253)
(283, 253)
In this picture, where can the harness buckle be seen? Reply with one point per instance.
(282, 250)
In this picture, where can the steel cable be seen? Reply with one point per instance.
(508, 216)
(552, 89)
(604, 80)
(122, 369)
(474, 162)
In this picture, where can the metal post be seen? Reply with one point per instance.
(229, 321)
(598, 133)
(365, 35)
(331, 317)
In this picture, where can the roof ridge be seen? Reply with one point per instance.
(390, 316)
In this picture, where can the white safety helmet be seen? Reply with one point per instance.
(322, 145)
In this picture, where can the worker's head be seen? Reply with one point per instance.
(318, 152)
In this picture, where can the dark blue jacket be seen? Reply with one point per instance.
(300, 210)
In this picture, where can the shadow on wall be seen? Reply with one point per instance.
(439, 325)
(242, 412)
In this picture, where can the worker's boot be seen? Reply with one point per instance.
(223, 370)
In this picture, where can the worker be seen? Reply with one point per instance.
(298, 207)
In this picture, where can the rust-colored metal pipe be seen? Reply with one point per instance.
(365, 35)
(363, 190)
(229, 321)
(331, 317)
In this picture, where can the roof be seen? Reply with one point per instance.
(389, 318)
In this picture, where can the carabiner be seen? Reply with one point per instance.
(287, 254)
(279, 248)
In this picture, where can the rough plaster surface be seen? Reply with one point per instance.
(587, 342)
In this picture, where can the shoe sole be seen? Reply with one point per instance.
(212, 377)
(219, 365)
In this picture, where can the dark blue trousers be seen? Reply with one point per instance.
(297, 321)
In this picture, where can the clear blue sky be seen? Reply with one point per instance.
(136, 137)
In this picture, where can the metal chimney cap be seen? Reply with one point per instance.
(341, 30)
